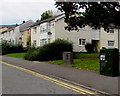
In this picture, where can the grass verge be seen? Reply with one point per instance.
(17, 55)
(88, 61)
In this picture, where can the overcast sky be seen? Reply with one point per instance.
(15, 11)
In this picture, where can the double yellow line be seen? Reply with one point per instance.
(76, 89)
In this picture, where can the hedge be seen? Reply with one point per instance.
(10, 48)
(51, 51)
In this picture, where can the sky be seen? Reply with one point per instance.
(17, 11)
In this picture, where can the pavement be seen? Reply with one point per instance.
(85, 78)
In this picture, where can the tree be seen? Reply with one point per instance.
(46, 15)
(95, 14)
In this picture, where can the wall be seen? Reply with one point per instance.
(35, 36)
(105, 37)
(17, 34)
(25, 37)
(52, 30)
(72, 36)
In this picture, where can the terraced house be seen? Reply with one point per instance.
(48, 30)
(7, 32)
(26, 33)
(13, 34)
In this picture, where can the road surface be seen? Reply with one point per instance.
(18, 80)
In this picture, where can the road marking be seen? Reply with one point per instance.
(66, 85)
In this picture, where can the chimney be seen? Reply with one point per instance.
(16, 24)
(23, 21)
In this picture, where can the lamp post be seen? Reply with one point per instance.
(118, 39)
(119, 32)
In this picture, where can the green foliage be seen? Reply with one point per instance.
(5, 47)
(31, 54)
(11, 48)
(17, 55)
(78, 55)
(51, 51)
(89, 48)
(45, 15)
(95, 14)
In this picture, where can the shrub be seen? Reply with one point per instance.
(31, 54)
(11, 48)
(5, 47)
(51, 51)
(89, 48)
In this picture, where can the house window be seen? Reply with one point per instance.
(94, 28)
(10, 41)
(110, 30)
(28, 32)
(110, 43)
(49, 24)
(81, 41)
(82, 28)
(43, 42)
(13, 31)
(34, 42)
(52, 24)
(48, 40)
(9, 33)
(43, 28)
(22, 33)
(13, 41)
(35, 29)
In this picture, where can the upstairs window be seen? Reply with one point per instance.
(52, 25)
(22, 33)
(94, 28)
(49, 24)
(82, 27)
(35, 29)
(43, 28)
(110, 30)
(9, 33)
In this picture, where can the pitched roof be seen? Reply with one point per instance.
(8, 26)
(46, 20)
(26, 28)
(9, 29)
(26, 24)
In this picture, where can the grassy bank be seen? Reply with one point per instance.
(17, 55)
(89, 61)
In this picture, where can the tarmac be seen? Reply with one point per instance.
(89, 79)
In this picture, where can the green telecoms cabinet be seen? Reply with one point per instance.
(109, 62)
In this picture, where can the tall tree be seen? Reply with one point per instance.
(95, 14)
(46, 15)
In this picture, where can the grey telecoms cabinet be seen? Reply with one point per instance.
(67, 57)
(109, 62)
